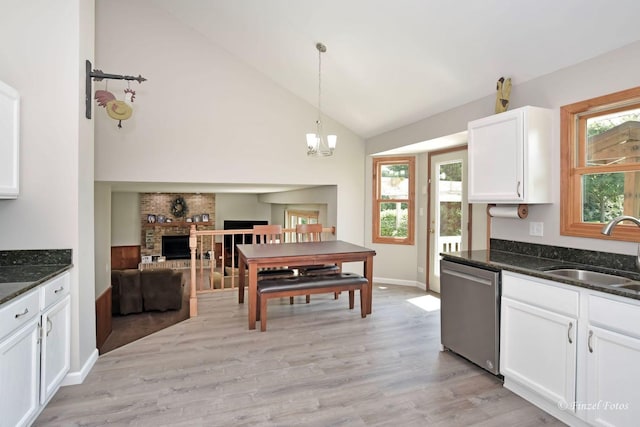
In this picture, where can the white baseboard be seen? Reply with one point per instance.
(383, 280)
(78, 377)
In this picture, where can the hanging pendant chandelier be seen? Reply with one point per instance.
(318, 144)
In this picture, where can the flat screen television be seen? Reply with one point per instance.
(240, 224)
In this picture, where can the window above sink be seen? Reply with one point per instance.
(600, 164)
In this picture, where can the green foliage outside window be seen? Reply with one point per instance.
(401, 170)
(450, 219)
(451, 212)
(390, 224)
(603, 196)
(451, 172)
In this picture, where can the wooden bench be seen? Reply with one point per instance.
(306, 285)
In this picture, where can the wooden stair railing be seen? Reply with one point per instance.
(207, 272)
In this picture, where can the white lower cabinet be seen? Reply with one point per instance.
(35, 331)
(572, 351)
(56, 348)
(539, 350)
(19, 375)
(612, 363)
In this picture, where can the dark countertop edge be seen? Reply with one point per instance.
(27, 257)
(464, 258)
(33, 284)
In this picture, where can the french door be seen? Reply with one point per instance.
(452, 223)
(448, 209)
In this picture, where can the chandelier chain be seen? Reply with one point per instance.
(321, 48)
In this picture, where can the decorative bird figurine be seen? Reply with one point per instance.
(502, 96)
(117, 110)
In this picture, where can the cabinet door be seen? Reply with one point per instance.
(56, 325)
(496, 158)
(9, 141)
(19, 376)
(538, 350)
(613, 375)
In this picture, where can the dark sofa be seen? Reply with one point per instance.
(135, 291)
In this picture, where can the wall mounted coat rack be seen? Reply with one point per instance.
(98, 75)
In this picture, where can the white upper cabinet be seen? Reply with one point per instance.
(9, 141)
(510, 157)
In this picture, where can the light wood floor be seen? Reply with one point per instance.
(317, 365)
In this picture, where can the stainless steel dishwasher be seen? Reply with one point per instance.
(470, 313)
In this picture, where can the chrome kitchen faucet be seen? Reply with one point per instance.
(608, 228)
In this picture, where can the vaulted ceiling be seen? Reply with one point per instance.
(390, 63)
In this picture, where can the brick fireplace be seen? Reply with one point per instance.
(160, 204)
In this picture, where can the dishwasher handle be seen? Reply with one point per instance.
(479, 280)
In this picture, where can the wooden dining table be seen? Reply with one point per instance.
(256, 256)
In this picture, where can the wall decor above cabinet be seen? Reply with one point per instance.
(510, 157)
(9, 141)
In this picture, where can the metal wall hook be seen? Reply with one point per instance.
(98, 75)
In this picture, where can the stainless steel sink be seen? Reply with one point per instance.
(629, 287)
(592, 277)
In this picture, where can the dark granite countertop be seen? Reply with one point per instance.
(536, 266)
(21, 271)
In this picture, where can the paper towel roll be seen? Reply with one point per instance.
(518, 212)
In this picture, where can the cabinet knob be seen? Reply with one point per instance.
(589, 342)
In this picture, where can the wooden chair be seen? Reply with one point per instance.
(268, 235)
(309, 232)
(313, 233)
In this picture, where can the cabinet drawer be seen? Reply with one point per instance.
(55, 290)
(614, 315)
(541, 293)
(18, 312)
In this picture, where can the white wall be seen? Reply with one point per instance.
(205, 117)
(325, 195)
(42, 55)
(611, 72)
(83, 317)
(125, 219)
(231, 206)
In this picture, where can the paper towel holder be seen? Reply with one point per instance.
(520, 211)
